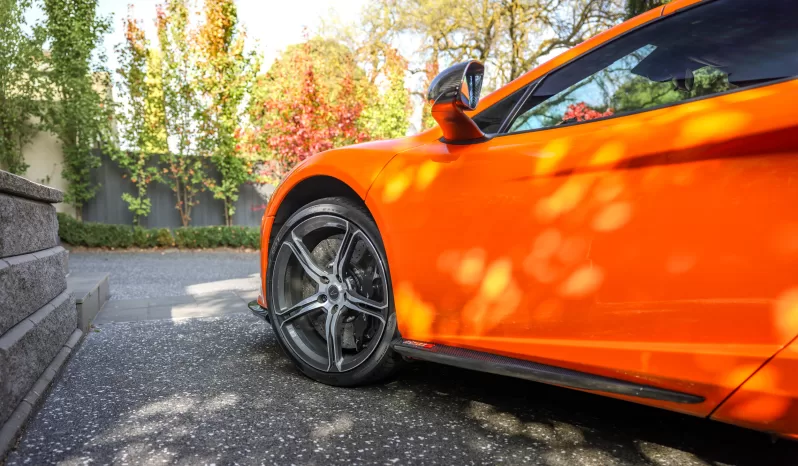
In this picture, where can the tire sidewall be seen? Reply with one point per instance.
(347, 210)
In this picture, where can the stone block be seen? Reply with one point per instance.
(29, 347)
(90, 291)
(28, 282)
(19, 186)
(87, 310)
(26, 226)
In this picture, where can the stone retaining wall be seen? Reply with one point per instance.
(38, 320)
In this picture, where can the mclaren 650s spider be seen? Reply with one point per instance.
(622, 219)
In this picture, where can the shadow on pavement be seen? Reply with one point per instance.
(219, 390)
(558, 417)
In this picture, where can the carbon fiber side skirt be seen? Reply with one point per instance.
(495, 364)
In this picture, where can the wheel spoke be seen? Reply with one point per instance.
(305, 310)
(357, 299)
(305, 259)
(364, 305)
(332, 332)
(314, 298)
(343, 253)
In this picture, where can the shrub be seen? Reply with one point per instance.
(103, 235)
(163, 238)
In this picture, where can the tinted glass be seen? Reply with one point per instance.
(490, 119)
(713, 48)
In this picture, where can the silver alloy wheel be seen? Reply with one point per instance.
(331, 293)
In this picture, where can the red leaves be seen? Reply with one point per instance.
(308, 122)
(581, 112)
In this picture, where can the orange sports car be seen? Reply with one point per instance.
(621, 220)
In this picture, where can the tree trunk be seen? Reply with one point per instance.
(228, 219)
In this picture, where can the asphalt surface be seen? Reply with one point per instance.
(138, 275)
(219, 391)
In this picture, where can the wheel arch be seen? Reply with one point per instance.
(306, 191)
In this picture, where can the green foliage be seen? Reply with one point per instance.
(137, 131)
(637, 7)
(226, 74)
(102, 235)
(22, 84)
(639, 92)
(81, 113)
(182, 109)
(386, 115)
(209, 237)
(139, 205)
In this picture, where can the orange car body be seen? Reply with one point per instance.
(659, 247)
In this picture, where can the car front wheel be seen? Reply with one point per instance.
(329, 292)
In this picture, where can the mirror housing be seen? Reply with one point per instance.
(455, 90)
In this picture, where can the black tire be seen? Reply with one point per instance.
(381, 361)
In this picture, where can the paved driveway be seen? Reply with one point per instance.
(217, 390)
(171, 273)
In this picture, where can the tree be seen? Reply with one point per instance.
(185, 171)
(304, 119)
(581, 112)
(81, 114)
(22, 85)
(637, 7)
(226, 74)
(136, 133)
(510, 35)
(386, 114)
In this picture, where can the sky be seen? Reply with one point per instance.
(271, 25)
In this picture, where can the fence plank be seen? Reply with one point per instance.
(108, 206)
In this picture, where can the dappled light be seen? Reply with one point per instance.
(566, 198)
(661, 455)
(551, 154)
(583, 281)
(609, 153)
(647, 247)
(426, 174)
(498, 297)
(471, 267)
(412, 177)
(420, 315)
(680, 263)
(787, 313)
(342, 424)
(396, 186)
(612, 216)
(497, 279)
(708, 128)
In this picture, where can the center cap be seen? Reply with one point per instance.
(334, 292)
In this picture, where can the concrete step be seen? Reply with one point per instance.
(28, 348)
(28, 282)
(90, 290)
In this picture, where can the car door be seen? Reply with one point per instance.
(635, 216)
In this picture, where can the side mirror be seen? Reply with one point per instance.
(453, 91)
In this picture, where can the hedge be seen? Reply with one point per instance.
(103, 235)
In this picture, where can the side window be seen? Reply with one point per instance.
(491, 119)
(713, 48)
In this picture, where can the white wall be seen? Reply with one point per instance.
(45, 159)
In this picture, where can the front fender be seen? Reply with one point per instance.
(356, 166)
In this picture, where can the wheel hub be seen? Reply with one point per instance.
(334, 293)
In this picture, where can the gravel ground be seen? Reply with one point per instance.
(136, 275)
(218, 390)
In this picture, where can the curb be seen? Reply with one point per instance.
(12, 429)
